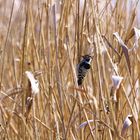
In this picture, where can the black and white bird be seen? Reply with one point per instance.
(83, 67)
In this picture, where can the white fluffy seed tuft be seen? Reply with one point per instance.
(33, 81)
(116, 81)
(127, 123)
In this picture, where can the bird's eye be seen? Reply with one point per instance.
(87, 59)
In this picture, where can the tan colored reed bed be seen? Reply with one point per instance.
(41, 42)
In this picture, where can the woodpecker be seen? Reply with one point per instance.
(83, 67)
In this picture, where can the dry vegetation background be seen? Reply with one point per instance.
(48, 39)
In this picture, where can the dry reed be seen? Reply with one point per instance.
(48, 39)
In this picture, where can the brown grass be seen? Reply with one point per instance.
(48, 38)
